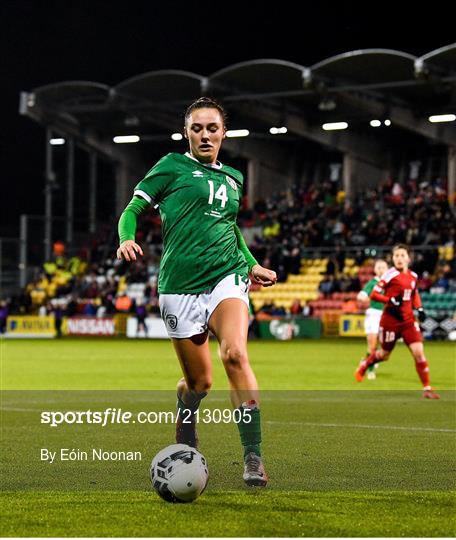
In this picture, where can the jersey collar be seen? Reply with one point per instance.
(217, 165)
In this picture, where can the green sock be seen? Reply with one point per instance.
(371, 367)
(193, 403)
(250, 428)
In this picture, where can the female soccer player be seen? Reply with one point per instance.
(397, 290)
(373, 312)
(204, 273)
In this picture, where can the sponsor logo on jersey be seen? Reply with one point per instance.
(213, 213)
(197, 174)
(231, 182)
(171, 321)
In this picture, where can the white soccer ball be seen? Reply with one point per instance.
(179, 473)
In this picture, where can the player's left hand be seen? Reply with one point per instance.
(263, 276)
(421, 314)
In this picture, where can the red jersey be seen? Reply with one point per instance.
(396, 283)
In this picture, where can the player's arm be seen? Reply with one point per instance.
(258, 273)
(152, 188)
(363, 296)
(363, 299)
(243, 248)
(377, 293)
(127, 229)
(418, 305)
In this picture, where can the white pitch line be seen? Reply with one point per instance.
(364, 426)
(16, 409)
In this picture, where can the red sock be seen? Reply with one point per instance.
(371, 359)
(422, 368)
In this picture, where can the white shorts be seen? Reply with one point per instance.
(372, 321)
(186, 315)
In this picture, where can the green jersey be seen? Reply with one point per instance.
(368, 289)
(198, 206)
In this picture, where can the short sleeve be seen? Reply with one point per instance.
(367, 289)
(154, 185)
(380, 287)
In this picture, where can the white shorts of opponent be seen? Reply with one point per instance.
(186, 315)
(372, 321)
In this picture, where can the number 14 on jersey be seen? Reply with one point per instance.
(220, 194)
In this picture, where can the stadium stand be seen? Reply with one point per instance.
(288, 231)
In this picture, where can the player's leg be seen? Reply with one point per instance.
(371, 348)
(371, 328)
(229, 323)
(414, 341)
(195, 360)
(387, 337)
(183, 316)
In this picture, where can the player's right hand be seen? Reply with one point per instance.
(263, 276)
(128, 249)
(396, 301)
(421, 314)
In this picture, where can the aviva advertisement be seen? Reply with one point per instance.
(351, 326)
(30, 327)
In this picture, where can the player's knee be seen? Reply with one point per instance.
(419, 358)
(234, 357)
(200, 384)
(204, 385)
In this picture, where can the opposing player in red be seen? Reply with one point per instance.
(397, 290)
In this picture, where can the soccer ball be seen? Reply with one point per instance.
(179, 473)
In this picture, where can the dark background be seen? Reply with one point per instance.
(48, 41)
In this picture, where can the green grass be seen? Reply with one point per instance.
(235, 514)
(127, 364)
(345, 459)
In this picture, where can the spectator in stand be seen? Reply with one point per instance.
(307, 310)
(340, 258)
(267, 311)
(442, 283)
(350, 306)
(72, 307)
(296, 307)
(345, 283)
(424, 282)
(123, 303)
(90, 309)
(3, 316)
(58, 312)
(108, 304)
(101, 311)
(141, 317)
(331, 267)
(279, 311)
(326, 286)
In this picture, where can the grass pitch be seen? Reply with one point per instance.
(345, 459)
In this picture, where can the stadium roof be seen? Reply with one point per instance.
(354, 87)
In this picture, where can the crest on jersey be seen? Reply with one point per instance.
(231, 182)
(171, 321)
